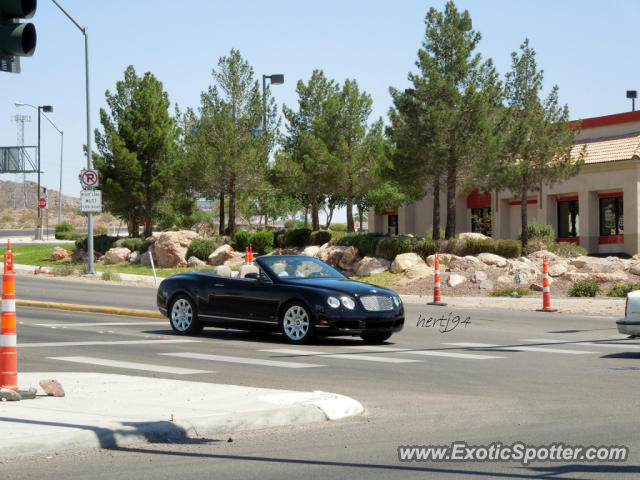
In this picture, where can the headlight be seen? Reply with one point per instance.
(348, 303)
(333, 302)
(396, 301)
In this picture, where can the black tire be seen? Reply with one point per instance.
(296, 324)
(183, 316)
(375, 337)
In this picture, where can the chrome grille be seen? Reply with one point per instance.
(377, 303)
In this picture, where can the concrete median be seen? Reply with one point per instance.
(131, 312)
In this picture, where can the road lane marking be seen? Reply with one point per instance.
(342, 356)
(519, 348)
(131, 365)
(91, 324)
(429, 353)
(104, 342)
(589, 344)
(243, 360)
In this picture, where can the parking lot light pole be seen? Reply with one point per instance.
(85, 32)
(275, 79)
(61, 149)
(39, 108)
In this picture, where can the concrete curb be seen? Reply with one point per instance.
(95, 414)
(132, 312)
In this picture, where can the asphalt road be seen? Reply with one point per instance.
(424, 388)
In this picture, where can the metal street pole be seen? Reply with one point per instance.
(39, 227)
(60, 189)
(85, 32)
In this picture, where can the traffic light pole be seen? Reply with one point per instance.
(85, 32)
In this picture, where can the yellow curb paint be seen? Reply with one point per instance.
(132, 312)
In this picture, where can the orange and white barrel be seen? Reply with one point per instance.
(8, 343)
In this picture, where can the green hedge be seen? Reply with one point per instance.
(137, 244)
(261, 242)
(584, 288)
(101, 243)
(392, 246)
(299, 237)
(338, 227)
(509, 248)
(64, 227)
(621, 290)
(201, 248)
(241, 240)
(365, 243)
(424, 248)
(567, 249)
(280, 239)
(320, 237)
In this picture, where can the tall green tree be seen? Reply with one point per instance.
(306, 165)
(227, 149)
(359, 147)
(452, 102)
(538, 139)
(136, 149)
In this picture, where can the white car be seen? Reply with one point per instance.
(630, 324)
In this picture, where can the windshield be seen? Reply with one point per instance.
(299, 267)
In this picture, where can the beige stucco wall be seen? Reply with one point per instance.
(594, 179)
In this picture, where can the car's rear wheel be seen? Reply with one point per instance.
(375, 337)
(183, 316)
(296, 323)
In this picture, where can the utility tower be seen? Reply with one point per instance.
(20, 119)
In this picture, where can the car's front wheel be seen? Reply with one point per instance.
(296, 323)
(183, 316)
(375, 337)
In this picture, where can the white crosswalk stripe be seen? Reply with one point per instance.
(242, 360)
(105, 342)
(342, 356)
(427, 353)
(519, 348)
(589, 344)
(147, 367)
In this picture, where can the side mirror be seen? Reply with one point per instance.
(252, 276)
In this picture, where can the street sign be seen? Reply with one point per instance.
(89, 178)
(91, 200)
(42, 202)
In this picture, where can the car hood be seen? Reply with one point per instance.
(346, 286)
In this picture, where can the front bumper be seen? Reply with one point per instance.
(357, 323)
(628, 327)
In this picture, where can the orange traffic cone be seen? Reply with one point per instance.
(8, 344)
(250, 255)
(436, 284)
(246, 255)
(546, 295)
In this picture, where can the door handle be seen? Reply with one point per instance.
(218, 285)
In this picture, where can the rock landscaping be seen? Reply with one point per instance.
(409, 272)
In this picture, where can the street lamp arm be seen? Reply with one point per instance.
(82, 29)
(52, 124)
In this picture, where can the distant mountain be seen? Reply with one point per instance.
(12, 195)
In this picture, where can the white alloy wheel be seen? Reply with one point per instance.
(296, 324)
(184, 319)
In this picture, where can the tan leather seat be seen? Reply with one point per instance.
(223, 271)
(248, 269)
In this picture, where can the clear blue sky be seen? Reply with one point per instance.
(588, 48)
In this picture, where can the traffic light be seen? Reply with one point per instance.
(16, 39)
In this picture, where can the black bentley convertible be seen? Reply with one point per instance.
(297, 295)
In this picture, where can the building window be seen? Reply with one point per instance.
(611, 218)
(568, 224)
(392, 222)
(481, 220)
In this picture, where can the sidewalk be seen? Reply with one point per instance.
(105, 410)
